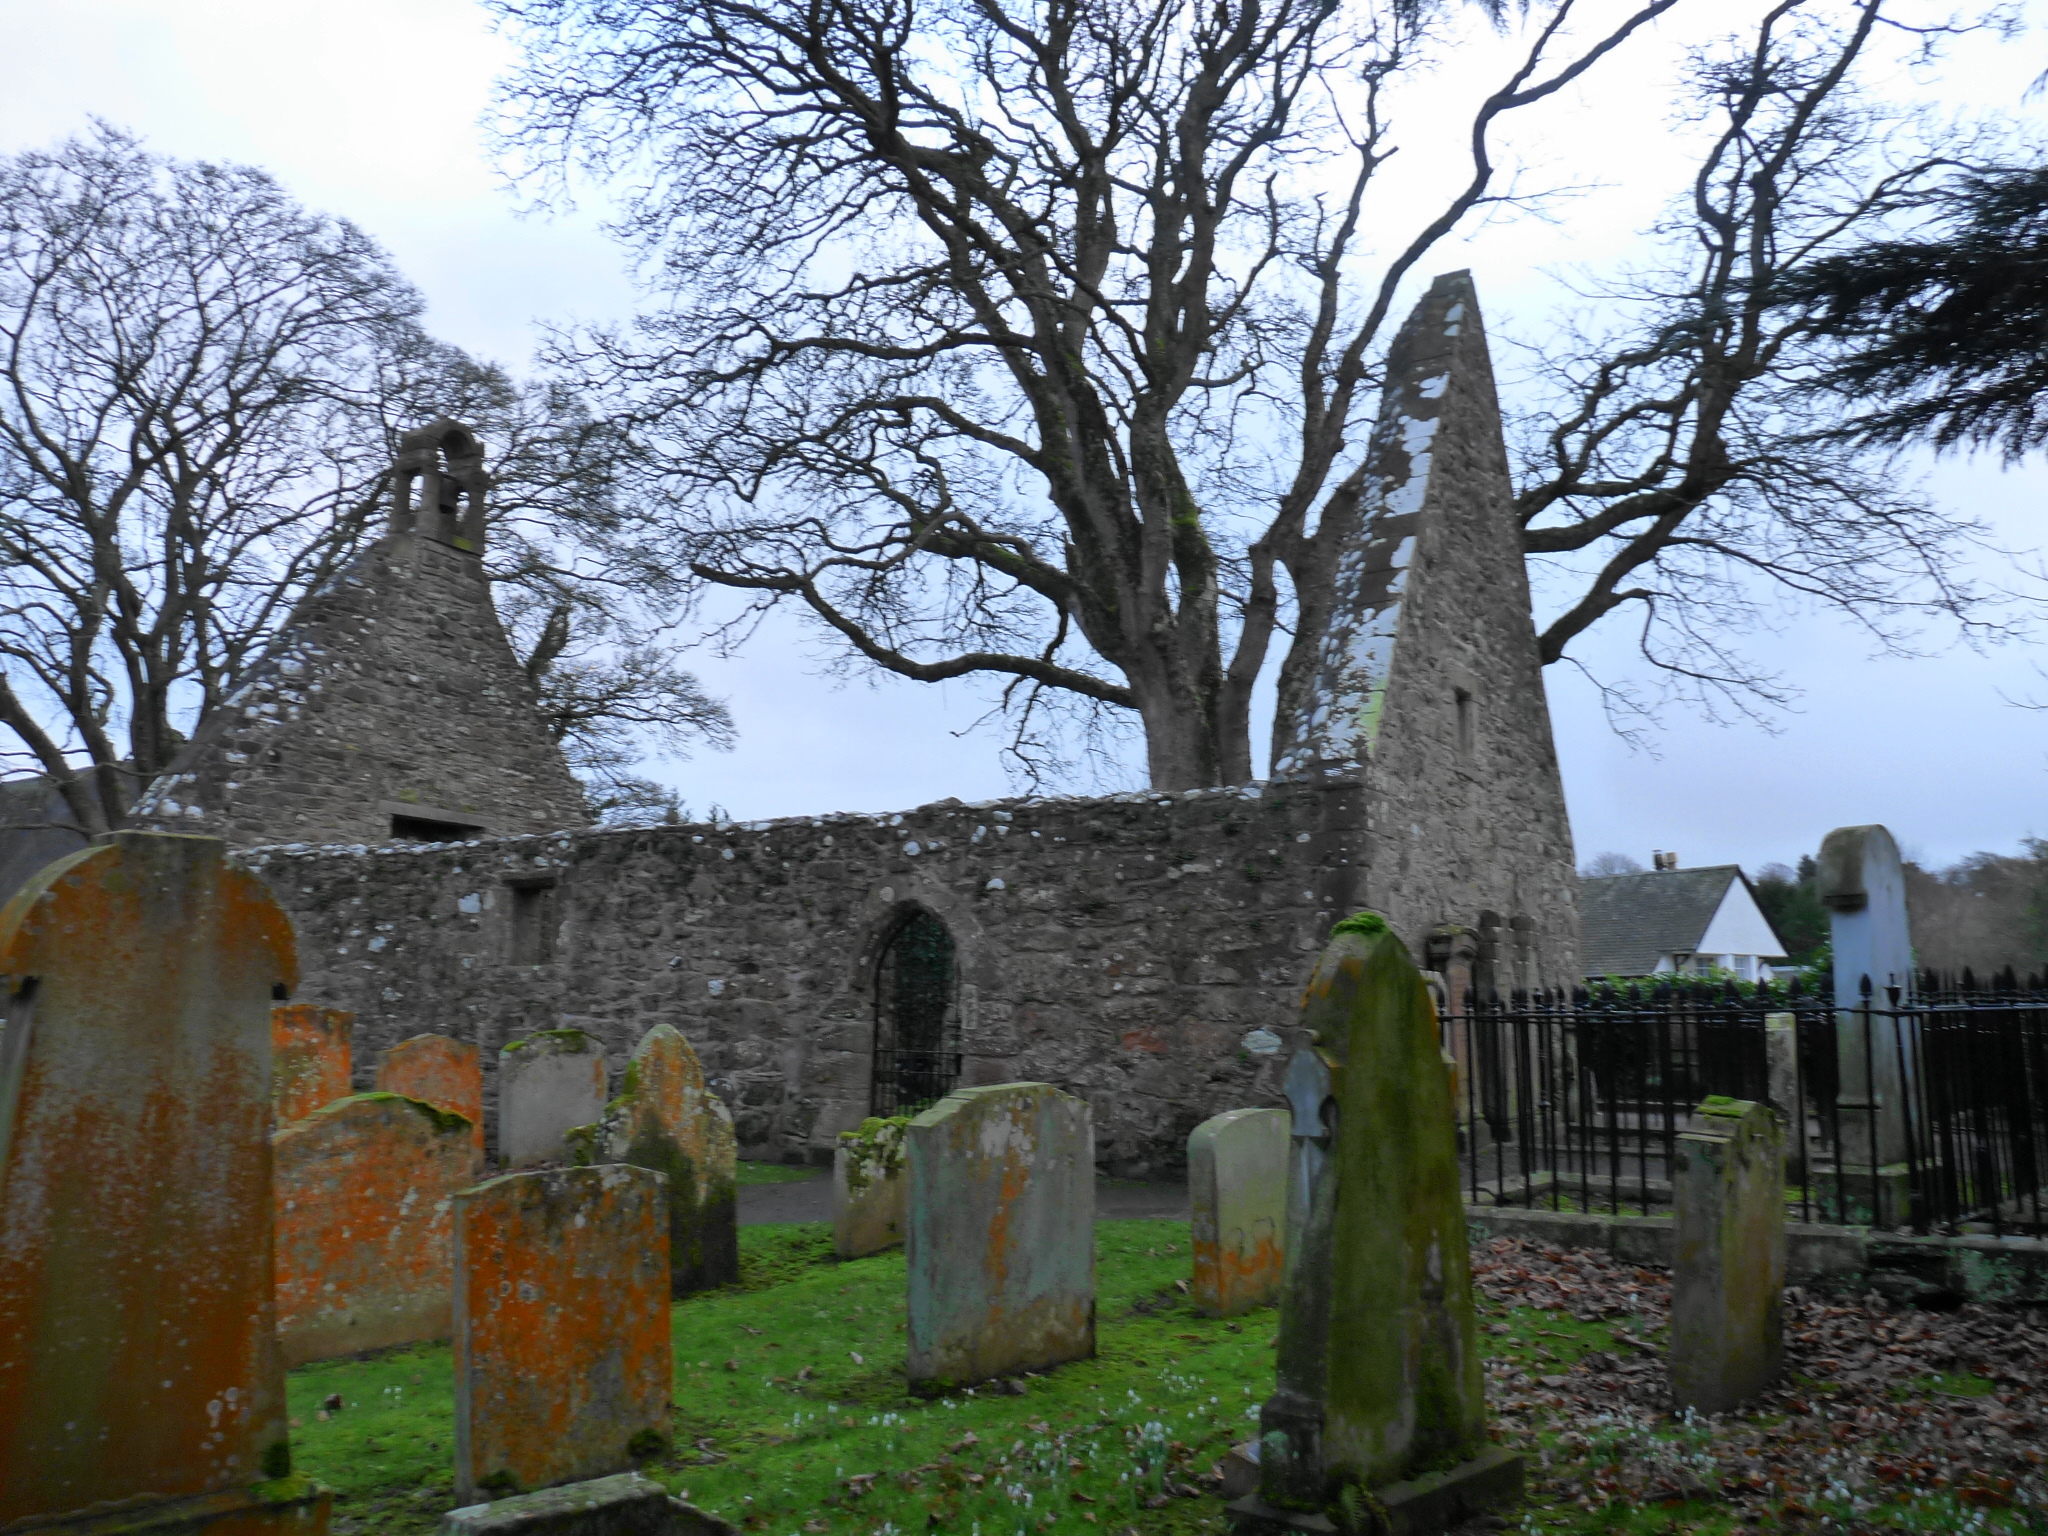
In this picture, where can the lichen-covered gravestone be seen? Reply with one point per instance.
(138, 1351)
(1728, 1267)
(667, 1118)
(869, 1187)
(311, 1060)
(437, 1070)
(366, 1224)
(1001, 1235)
(1380, 1402)
(1237, 1193)
(562, 1362)
(549, 1084)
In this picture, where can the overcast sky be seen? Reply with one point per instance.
(370, 108)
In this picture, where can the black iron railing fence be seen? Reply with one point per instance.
(1922, 1108)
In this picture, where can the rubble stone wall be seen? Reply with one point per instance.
(1119, 948)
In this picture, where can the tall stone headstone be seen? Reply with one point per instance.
(366, 1224)
(1001, 1237)
(138, 1352)
(667, 1118)
(549, 1084)
(1862, 883)
(1379, 1396)
(563, 1370)
(1728, 1266)
(311, 1058)
(870, 1185)
(1237, 1193)
(438, 1070)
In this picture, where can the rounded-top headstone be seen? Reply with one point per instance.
(138, 1352)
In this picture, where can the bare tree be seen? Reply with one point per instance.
(1014, 340)
(1035, 340)
(201, 384)
(1682, 474)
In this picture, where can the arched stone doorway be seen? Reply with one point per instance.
(917, 1017)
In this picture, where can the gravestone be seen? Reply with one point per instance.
(667, 1119)
(366, 1224)
(548, 1085)
(1001, 1234)
(1862, 883)
(310, 1058)
(1380, 1403)
(438, 1070)
(1728, 1265)
(870, 1184)
(563, 1369)
(138, 1350)
(1237, 1190)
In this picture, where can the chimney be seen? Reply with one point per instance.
(1660, 859)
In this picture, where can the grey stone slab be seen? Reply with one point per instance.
(627, 1504)
(549, 1084)
(1728, 1264)
(1001, 1236)
(1237, 1182)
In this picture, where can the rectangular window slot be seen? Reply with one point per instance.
(424, 829)
(533, 922)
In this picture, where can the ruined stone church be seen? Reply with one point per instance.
(386, 771)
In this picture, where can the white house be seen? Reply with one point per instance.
(1691, 921)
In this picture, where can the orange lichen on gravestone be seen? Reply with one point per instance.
(437, 1070)
(562, 1360)
(310, 1058)
(366, 1224)
(138, 1351)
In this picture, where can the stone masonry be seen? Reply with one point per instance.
(1431, 685)
(1120, 948)
(390, 704)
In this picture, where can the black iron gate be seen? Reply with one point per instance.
(917, 1030)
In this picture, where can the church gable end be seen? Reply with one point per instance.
(391, 705)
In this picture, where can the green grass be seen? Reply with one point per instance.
(792, 1417)
(774, 1173)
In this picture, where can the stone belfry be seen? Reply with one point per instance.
(1429, 686)
(390, 706)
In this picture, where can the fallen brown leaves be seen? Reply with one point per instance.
(1862, 1425)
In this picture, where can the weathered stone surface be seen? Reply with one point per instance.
(1122, 948)
(448, 1074)
(138, 1353)
(366, 1224)
(870, 1185)
(1237, 1192)
(624, 1505)
(310, 1058)
(1001, 1236)
(1378, 1363)
(1429, 681)
(549, 1084)
(1728, 1270)
(562, 1361)
(666, 1119)
(392, 692)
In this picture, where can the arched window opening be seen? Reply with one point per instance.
(917, 1028)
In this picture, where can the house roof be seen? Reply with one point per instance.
(1632, 920)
